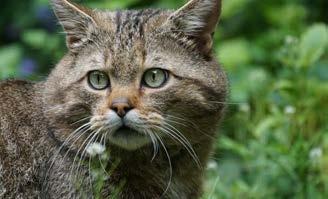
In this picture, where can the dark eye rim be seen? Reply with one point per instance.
(91, 85)
(166, 73)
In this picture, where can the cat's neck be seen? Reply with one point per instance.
(142, 171)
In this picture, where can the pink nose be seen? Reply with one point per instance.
(121, 106)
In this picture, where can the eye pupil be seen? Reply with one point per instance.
(98, 80)
(155, 78)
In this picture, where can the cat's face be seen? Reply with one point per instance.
(133, 78)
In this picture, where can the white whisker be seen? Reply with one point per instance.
(170, 164)
(72, 178)
(75, 133)
(183, 140)
(155, 144)
(190, 123)
(100, 161)
(81, 120)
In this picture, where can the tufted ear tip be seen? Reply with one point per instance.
(66, 5)
(198, 19)
(76, 21)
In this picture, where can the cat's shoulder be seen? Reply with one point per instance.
(15, 87)
(15, 93)
(14, 84)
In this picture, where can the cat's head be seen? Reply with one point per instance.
(131, 78)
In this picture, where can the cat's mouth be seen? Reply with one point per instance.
(128, 138)
(127, 132)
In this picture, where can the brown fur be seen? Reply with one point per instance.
(37, 118)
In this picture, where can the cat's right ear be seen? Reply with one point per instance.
(77, 22)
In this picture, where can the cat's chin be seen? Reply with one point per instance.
(129, 139)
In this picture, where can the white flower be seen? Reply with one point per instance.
(290, 110)
(96, 149)
(315, 154)
(290, 39)
(212, 165)
(245, 107)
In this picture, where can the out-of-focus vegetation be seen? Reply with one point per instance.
(274, 140)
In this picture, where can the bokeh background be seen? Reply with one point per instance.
(274, 140)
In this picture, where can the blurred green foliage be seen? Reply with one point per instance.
(274, 140)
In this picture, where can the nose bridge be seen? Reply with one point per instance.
(120, 100)
(124, 95)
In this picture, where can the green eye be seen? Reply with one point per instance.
(155, 78)
(98, 80)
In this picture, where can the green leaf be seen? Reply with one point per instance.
(313, 45)
(10, 57)
(263, 126)
(234, 53)
(113, 4)
(35, 38)
(293, 15)
(229, 144)
(232, 7)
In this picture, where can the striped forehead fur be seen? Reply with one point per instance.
(130, 24)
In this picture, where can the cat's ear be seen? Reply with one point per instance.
(77, 22)
(198, 19)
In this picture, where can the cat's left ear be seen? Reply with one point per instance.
(77, 22)
(198, 19)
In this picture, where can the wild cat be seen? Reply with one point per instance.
(143, 84)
